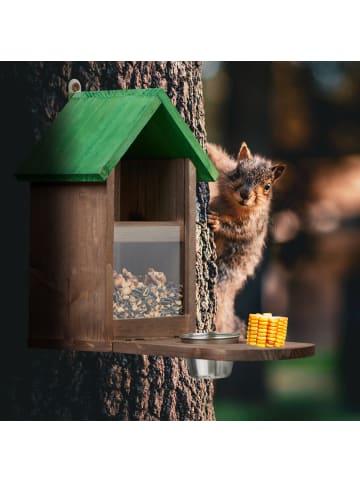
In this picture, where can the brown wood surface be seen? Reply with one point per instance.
(150, 190)
(109, 256)
(151, 327)
(117, 187)
(71, 261)
(189, 245)
(174, 347)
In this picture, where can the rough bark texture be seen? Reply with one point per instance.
(94, 386)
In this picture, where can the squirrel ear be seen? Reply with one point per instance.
(244, 152)
(277, 170)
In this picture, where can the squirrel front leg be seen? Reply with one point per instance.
(214, 221)
(223, 225)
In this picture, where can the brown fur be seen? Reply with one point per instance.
(239, 216)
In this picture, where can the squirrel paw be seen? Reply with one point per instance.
(214, 221)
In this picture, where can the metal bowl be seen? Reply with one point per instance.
(212, 369)
(211, 337)
(199, 368)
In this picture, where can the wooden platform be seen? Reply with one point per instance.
(174, 347)
(236, 351)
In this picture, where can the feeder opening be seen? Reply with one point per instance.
(150, 234)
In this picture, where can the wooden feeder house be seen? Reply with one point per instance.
(112, 241)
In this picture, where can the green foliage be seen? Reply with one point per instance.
(299, 389)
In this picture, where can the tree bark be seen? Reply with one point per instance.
(96, 386)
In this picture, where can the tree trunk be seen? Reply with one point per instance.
(95, 386)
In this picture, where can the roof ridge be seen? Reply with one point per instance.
(119, 92)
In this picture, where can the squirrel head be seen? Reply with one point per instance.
(250, 183)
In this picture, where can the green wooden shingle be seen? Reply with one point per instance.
(96, 129)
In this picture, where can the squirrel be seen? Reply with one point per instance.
(239, 211)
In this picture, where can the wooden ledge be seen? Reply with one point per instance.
(174, 347)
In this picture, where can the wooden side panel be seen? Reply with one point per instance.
(190, 243)
(71, 263)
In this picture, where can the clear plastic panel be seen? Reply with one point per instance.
(147, 270)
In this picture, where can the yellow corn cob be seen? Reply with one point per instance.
(252, 329)
(281, 331)
(265, 330)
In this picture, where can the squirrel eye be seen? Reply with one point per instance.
(267, 186)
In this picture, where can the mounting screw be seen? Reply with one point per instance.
(73, 87)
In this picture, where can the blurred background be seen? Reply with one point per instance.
(306, 114)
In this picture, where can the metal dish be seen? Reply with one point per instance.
(211, 369)
(211, 337)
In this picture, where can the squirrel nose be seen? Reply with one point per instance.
(245, 193)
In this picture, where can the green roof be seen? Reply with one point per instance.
(96, 129)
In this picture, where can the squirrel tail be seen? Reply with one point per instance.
(220, 158)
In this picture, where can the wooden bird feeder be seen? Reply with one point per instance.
(112, 254)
